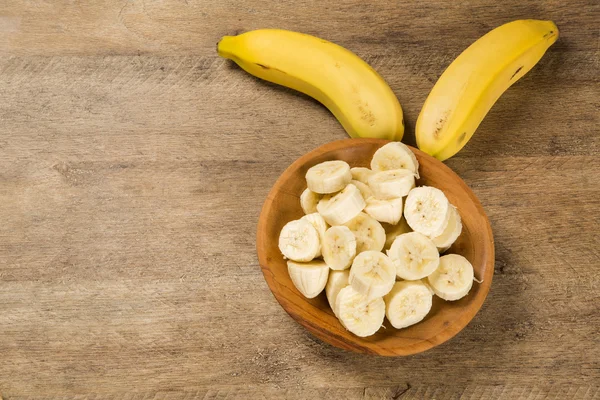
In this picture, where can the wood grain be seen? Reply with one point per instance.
(134, 163)
(444, 320)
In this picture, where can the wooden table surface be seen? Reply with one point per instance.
(134, 163)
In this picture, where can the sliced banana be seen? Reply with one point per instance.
(408, 303)
(309, 201)
(364, 189)
(338, 247)
(328, 177)
(395, 155)
(453, 279)
(392, 184)
(427, 210)
(388, 211)
(309, 278)
(393, 231)
(361, 174)
(372, 274)
(369, 233)
(357, 313)
(337, 281)
(342, 207)
(299, 241)
(320, 225)
(414, 255)
(451, 233)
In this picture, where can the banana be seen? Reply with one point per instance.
(299, 241)
(341, 207)
(309, 278)
(339, 247)
(414, 255)
(392, 184)
(427, 210)
(318, 222)
(309, 201)
(389, 211)
(361, 174)
(365, 190)
(393, 231)
(372, 274)
(451, 233)
(356, 95)
(328, 177)
(357, 313)
(395, 155)
(369, 233)
(453, 279)
(337, 281)
(470, 86)
(408, 303)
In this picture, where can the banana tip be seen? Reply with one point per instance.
(224, 46)
(553, 33)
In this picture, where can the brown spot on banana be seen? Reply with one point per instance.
(516, 72)
(366, 115)
(263, 66)
(462, 137)
(440, 124)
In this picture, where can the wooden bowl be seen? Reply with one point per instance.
(444, 320)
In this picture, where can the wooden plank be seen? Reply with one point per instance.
(193, 26)
(403, 392)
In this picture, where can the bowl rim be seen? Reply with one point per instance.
(452, 328)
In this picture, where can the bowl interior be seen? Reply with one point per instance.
(445, 318)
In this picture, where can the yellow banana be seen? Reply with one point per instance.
(470, 86)
(357, 95)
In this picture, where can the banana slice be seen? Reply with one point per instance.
(414, 255)
(361, 174)
(328, 177)
(453, 279)
(309, 278)
(393, 231)
(372, 274)
(392, 184)
(408, 303)
(342, 207)
(426, 210)
(395, 155)
(299, 241)
(339, 247)
(369, 233)
(364, 189)
(337, 281)
(309, 201)
(357, 313)
(318, 222)
(451, 233)
(389, 211)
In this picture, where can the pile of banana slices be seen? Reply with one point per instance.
(352, 216)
